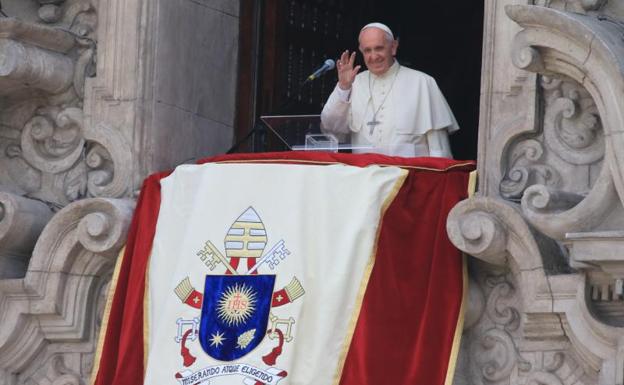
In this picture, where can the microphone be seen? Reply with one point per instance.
(328, 65)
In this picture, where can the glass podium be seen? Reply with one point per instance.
(303, 133)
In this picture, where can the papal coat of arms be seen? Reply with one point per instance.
(235, 307)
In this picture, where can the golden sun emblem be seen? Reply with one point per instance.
(237, 304)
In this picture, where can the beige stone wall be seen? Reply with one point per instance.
(195, 73)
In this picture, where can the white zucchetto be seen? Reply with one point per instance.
(381, 26)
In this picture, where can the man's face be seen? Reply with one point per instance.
(377, 50)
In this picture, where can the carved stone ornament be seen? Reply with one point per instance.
(572, 128)
(571, 321)
(579, 6)
(570, 141)
(589, 51)
(526, 167)
(537, 327)
(51, 316)
(49, 150)
(497, 352)
(66, 160)
(589, 224)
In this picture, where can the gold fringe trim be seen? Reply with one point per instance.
(277, 161)
(107, 309)
(146, 316)
(366, 276)
(472, 183)
(450, 372)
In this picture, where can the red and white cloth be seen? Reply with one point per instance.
(368, 288)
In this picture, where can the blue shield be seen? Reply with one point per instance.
(235, 313)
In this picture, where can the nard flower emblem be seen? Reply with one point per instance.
(245, 339)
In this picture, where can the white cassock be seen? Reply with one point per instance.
(401, 112)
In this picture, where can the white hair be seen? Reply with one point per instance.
(383, 27)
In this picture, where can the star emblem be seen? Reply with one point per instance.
(217, 339)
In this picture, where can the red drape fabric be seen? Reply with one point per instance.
(405, 331)
(406, 326)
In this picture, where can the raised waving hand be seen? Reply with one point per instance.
(346, 71)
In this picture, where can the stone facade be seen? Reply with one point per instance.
(95, 95)
(545, 227)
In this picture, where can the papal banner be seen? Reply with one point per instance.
(289, 268)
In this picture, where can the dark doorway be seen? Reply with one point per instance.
(283, 41)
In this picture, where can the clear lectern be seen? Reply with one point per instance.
(303, 132)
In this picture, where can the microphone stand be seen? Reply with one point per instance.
(259, 129)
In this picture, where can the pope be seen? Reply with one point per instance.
(388, 109)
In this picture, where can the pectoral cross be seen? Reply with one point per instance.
(372, 124)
